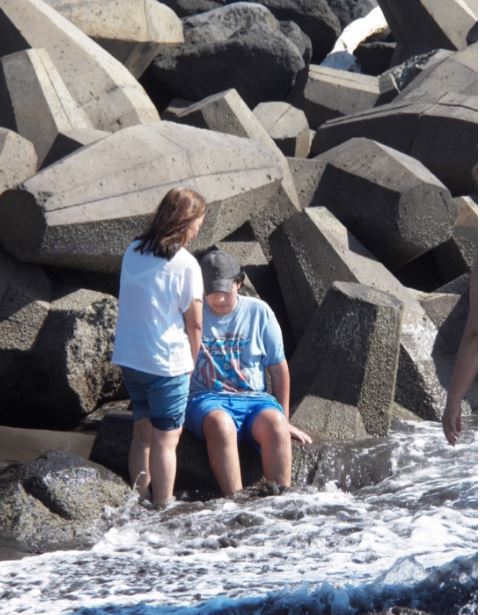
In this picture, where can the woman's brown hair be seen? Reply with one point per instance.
(168, 231)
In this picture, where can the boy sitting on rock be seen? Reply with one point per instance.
(229, 401)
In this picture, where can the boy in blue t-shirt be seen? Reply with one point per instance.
(229, 401)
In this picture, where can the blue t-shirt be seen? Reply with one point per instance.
(236, 348)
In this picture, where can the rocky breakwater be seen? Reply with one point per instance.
(349, 198)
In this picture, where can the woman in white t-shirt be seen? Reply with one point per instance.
(158, 337)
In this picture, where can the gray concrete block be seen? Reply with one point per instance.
(132, 31)
(439, 23)
(392, 204)
(307, 173)
(226, 112)
(71, 368)
(106, 91)
(25, 292)
(40, 107)
(440, 134)
(312, 250)
(69, 141)
(83, 211)
(445, 72)
(287, 126)
(18, 159)
(349, 354)
(331, 92)
(325, 419)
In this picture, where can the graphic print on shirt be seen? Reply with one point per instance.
(219, 366)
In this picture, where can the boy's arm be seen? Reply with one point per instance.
(193, 326)
(280, 378)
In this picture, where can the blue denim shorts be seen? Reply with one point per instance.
(162, 399)
(242, 407)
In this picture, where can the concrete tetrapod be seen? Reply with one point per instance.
(18, 159)
(106, 91)
(132, 31)
(388, 200)
(84, 210)
(437, 23)
(347, 355)
(312, 250)
(40, 107)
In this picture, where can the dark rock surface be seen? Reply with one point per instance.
(58, 501)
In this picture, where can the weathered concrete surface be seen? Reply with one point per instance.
(325, 419)
(312, 250)
(71, 140)
(25, 293)
(238, 46)
(307, 174)
(331, 92)
(18, 159)
(389, 201)
(132, 31)
(83, 211)
(106, 91)
(37, 103)
(57, 502)
(66, 371)
(226, 112)
(349, 354)
(287, 126)
(438, 23)
(445, 72)
(441, 134)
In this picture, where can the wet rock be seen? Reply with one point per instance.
(57, 501)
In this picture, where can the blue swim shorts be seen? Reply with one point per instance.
(162, 399)
(242, 407)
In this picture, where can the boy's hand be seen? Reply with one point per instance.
(298, 434)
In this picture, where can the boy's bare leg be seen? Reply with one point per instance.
(163, 463)
(221, 436)
(270, 431)
(139, 456)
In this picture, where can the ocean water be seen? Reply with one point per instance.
(410, 539)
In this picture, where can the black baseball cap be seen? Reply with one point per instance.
(219, 270)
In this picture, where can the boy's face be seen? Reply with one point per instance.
(222, 304)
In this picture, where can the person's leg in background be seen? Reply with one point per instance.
(139, 457)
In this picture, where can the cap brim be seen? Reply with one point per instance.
(219, 286)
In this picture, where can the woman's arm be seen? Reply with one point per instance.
(280, 377)
(193, 325)
(465, 370)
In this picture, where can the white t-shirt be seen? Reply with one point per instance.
(154, 294)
